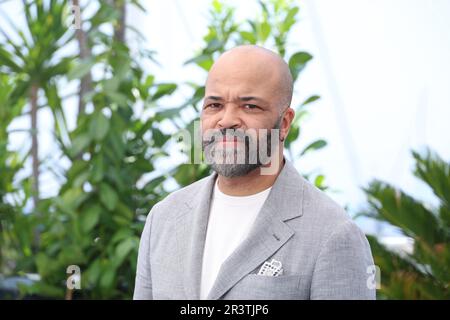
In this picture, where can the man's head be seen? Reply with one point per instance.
(248, 88)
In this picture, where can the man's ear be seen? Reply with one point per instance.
(286, 122)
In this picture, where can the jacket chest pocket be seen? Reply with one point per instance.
(257, 287)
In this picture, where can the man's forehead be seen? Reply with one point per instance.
(230, 82)
(242, 68)
(252, 71)
(246, 81)
(250, 53)
(238, 91)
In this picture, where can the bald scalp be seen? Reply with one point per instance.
(251, 57)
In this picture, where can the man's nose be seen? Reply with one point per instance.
(230, 118)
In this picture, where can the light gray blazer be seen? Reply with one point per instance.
(323, 253)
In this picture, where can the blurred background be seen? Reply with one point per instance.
(93, 92)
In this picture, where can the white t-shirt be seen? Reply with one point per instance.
(230, 220)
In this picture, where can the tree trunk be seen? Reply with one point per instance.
(119, 31)
(84, 53)
(34, 143)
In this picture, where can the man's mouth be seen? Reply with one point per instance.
(224, 140)
(229, 141)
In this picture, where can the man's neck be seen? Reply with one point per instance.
(249, 184)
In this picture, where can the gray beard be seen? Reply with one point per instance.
(231, 170)
(235, 170)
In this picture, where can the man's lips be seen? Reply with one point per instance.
(229, 141)
(225, 139)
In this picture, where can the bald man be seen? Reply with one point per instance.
(255, 229)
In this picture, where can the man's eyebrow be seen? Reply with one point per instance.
(216, 98)
(245, 99)
(250, 98)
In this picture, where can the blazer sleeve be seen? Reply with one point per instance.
(344, 267)
(143, 281)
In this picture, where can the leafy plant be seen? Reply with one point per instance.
(96, 218)
(424, 273)
(16, 229)
(32, 55)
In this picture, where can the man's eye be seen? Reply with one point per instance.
(214, 105)
(251, 106)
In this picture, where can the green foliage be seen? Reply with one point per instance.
(96, 219)
(423, 274)
(16, 229)
(30, 56)
(32, 53)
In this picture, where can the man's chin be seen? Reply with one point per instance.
(234, 170)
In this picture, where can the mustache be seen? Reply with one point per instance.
(238, 134)
(229, 134)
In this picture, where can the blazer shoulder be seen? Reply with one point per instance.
(321, 208)
(174, 201)
(324, 219)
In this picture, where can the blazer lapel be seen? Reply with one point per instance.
(267, 235)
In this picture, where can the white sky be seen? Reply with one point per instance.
(382, 69)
